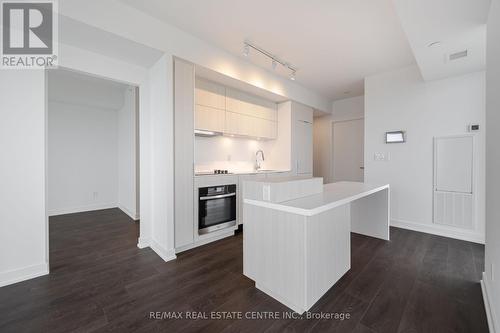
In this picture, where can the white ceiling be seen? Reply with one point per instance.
(334, 43)
(457, 24)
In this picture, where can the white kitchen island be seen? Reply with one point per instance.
(296, 240)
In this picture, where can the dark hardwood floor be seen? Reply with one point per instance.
(101, 282)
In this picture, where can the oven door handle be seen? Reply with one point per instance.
(218, 196)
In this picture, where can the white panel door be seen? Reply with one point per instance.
(348, 150)
(453, 164)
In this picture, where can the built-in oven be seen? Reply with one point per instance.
(216, 208)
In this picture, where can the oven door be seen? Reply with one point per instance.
(216, 212)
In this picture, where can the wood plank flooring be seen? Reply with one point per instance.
(101, 282)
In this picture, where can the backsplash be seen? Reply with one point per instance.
(229, 153)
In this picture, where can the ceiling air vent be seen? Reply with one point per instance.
(458, 55)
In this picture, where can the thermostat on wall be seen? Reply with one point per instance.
(473, 127)
(395, 137)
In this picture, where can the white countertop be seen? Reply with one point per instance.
(333, 195)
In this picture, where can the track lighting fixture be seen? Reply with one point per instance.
(274, 59)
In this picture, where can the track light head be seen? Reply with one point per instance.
(274, 64)
(292, 76)
(246, 50)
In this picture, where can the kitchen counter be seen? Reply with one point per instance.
(333, 195)
(264, 172)
(296, 243)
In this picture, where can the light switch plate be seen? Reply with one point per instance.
(379, 157)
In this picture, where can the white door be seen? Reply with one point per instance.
(348, 150)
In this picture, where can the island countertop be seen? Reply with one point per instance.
(333, 195)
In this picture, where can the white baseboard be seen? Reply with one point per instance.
(165, 254)
(133, 216)
(23, 274)
(142, 242)
(217, 236)
(490, 315)
(444, 231)
(80, 209)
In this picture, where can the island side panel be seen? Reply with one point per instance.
(328, 251)
(370, 215)
(274, 254)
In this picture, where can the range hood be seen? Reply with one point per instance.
(206, 133)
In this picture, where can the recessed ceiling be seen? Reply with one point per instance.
(335, 44)
(437, 29)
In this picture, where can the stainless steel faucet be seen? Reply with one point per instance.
(257, 162)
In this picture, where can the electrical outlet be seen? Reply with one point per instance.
(95, 195)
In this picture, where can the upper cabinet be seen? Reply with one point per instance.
(242, 103)
(210, 94)
(302, 138)
(230, 111)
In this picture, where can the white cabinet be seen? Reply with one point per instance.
(210, 94)
(242, 179)
(242, 103)
(302, 138)
(248, 115)
(209, 119)
(244, 125)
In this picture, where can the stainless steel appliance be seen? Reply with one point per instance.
(216, 208)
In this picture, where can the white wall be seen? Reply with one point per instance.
(492, 263)
(23, 224)
(91, 144)
(344, 109)
(160, 86)
(402, 100)
(82, 158)
(127, 155)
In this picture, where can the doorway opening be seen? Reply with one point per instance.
(92, 164)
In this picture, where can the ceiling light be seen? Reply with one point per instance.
(246, 50)
(292, 76)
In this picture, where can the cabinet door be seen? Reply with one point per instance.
(209, 119)
(232, 125)
(210, 94)
(304, 146)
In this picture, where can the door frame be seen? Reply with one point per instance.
(333, 143)
(140, 90)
